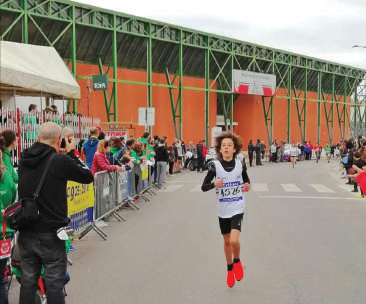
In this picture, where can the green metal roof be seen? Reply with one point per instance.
(50, 22)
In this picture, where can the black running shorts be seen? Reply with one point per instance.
(226, 224)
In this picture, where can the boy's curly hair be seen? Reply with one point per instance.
(235, 138)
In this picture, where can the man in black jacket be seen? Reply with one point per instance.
(39, 244)
(161, 161)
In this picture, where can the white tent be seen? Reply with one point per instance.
(33, 70)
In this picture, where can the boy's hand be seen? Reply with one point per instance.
(219, 183)
(246, 187)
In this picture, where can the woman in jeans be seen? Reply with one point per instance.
(7, 197)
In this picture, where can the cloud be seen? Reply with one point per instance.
(316, 28)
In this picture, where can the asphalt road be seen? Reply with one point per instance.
(303, 241)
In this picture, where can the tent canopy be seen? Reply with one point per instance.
(35, 70)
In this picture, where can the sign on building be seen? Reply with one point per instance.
(116, 133)
(146, 116)
(100, 82)
(246, 82)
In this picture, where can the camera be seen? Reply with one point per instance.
(63, 143)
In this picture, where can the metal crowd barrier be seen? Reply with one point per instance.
(115, 190)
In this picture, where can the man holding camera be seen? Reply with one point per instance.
(39, 243)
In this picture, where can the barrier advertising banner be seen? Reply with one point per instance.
(80, 201)
(246, 82)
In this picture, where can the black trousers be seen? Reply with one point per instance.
(171, 166)
(37, 250)
(250, 158)
(200, 161)
(274, 157)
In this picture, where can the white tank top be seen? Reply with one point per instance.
(230, 198)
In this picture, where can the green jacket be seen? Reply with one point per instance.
(327, 149)
(9, 165)
(136, 157)
(149, 148)
(8, 192)
(32, 121)
(115, 152)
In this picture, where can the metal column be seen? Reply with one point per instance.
(207, 91)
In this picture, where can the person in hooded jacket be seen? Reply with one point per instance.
(38, 242)
(90, 146)
(250, 152)
(7, 197)
(258, 153)
(161, 161)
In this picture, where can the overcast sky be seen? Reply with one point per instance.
(324, 29)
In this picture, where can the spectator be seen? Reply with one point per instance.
(81, 150)
(38, 242)
(7, 197)
(250, 152)
(274, 152)
(200, 156)
(55, 110)
(161, 161)
(171, 160)
(101, 135)
(138, 154)
(101, 162)
(178, 153)
(129, 146)
(90, 146)
(258, 154)
(68, 134)
(111, 158)
(127, 160)
(116, 146)
(8, 141)
(263, 148)
(191, 148)
(29, 122)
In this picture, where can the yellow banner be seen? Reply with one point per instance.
(79, 197)
(145, 173)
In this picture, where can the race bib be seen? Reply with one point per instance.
(230, 192)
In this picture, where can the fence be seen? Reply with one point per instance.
(26, 126)
(116, 190)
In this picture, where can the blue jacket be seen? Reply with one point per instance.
(90, 147)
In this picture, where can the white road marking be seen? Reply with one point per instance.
(291, 188)
(321, 188)
(259, 187)
(309, 197)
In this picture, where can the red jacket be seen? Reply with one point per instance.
(204, 151)
(361, 179)
(101, 163)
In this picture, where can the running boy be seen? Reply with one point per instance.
(231, 179)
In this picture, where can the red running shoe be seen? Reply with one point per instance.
(230, 279)
(238, 271)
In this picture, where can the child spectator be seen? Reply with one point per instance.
(90, 146)
(100, 160)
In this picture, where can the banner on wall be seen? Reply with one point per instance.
(117, 133)
(246, 82)
(80, 201)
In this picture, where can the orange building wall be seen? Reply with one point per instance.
(248, 109)
(248, 112)
(132, 96)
